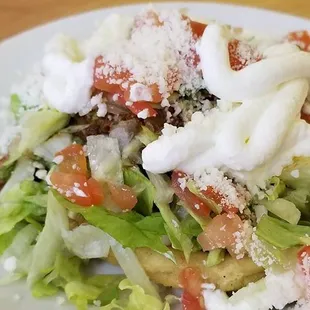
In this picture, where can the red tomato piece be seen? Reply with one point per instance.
(73, 160)
(156, 96)
(220, 232)
(219, 199)
(190, 280)
(300, 38)
(73, 187)
(240, 60)
(197, 28)
(96, 191)
(305, 117)
(109, 83)
(193, 202)
(123, 196)
(304, 255)
(139, 106)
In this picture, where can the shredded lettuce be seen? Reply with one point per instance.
(105, 159)
(281, 234)
(7, 239)
(146, 136)
(276, 188)
(122, 227)
(134, 178)
(15, 105)
(137, 300)
(87, 241)
(48, 149)
(108, 285)
(283, 208)
(215, 257)
(301, 199)
(164, 195)
(191, 227)
(132, 268)
(24, 170)
(49, 242)
(36, 127)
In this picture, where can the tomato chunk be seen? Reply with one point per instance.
(219, 199)
(190, 280)
(95, 191)
(72, 160)
(73, 187)
(238, 59)
(123, 196)
(193, 202)
(111, 82)
(222, 232)
(300, 38)
(197, 28)
(140, 106)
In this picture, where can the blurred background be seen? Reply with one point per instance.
(19, 15)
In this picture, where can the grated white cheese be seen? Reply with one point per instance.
(295, 174)
(78, 192)
(143, 114)
(157, 53)
(97, 303)
(182, 182)
(60, 300)
(10, 264)
(102, 110)
(41, 174)
(231, 194)
(17, 297)
(58, 159)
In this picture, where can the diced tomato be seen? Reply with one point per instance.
(123, 196)
(77, 189)
(190, 280)
(219, 199)
(197, 28)
(109, 83)
(305, 117)
(95, 191)
(300, 38)
(73, 161)
(303, 257)
(238, 61)
(73, 187)
(193, 202)
(303, 254)
(139, 106)
(221, 232)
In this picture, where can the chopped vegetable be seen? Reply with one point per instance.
(134, 178)
(283, 208)
(215, 257)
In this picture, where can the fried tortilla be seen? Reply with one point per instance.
(230, 275)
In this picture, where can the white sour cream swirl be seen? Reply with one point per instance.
(254, 140)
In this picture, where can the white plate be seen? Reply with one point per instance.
(19, 53)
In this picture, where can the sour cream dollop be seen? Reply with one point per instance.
(255, 139)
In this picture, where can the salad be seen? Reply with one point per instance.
(176, 149)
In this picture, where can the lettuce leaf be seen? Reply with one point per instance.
(108, 285)
(164, 195)
(105, 159)
(87, 241)
(134, 178)
(301, 199)
(137, 300)
(36, 127)
(276, 188)
(120, 227)
(283, 208)
(281, 234)
(50, 241)
(7, 239)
